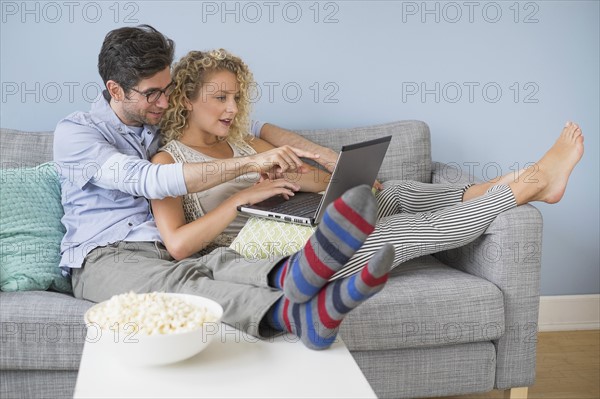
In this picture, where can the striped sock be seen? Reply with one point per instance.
(345, 226)
(317, 321)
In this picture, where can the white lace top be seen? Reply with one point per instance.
(196, 205)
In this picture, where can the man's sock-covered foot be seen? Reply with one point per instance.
(345, 226)
(317, 321)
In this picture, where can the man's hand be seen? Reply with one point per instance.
(280, 160)
(326, 157)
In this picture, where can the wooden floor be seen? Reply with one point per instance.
(568, 367)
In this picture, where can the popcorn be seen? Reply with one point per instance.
(149, 314)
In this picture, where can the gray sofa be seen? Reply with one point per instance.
(458, 322)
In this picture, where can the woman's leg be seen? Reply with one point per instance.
(414, 235)
(413, 197)
(427, 232)
(547, 179)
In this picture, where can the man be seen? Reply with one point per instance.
(112, 244)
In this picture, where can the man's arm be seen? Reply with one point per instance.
(153, 181)
(275, 162)
(84, 156)
(278, 137)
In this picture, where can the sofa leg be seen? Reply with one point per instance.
(516, 393)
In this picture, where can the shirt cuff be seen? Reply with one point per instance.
(180, 181)
(256, 127)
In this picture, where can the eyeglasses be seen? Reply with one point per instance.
(153, 95)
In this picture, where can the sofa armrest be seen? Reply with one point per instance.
(508, 254)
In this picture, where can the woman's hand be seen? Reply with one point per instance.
(266, 188)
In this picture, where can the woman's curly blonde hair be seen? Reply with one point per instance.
(189, 74)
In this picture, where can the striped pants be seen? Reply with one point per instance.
(421, 219)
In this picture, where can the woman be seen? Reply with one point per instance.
(208, 118)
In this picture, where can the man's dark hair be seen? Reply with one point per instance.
(131, 54)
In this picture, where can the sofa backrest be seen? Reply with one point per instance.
(408, 157)
(24, 149)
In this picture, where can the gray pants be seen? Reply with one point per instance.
(237, 284)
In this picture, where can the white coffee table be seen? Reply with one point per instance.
(236, 365)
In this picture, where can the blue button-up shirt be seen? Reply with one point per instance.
(106, 178)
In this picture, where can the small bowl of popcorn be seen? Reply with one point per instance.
(153, 328)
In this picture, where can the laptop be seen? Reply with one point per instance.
(357, 164)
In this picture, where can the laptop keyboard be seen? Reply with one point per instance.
(304, 203)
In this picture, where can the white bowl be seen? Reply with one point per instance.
(140, 349)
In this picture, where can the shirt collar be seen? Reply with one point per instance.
(102, 112)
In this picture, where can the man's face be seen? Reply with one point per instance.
(135, 110)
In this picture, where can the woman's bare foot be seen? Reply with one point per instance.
(548, 179)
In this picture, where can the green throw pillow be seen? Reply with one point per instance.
(30, 230)
(262, 238)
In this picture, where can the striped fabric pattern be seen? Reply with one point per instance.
(421, 219)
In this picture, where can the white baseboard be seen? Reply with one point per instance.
(569, 312)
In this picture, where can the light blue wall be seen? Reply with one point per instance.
(359, 63)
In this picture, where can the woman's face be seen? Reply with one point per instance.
(215, 107)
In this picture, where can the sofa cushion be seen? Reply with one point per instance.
(41, 330)
(19, 149)
(424, 304)
(262, 238)
(31, 230)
